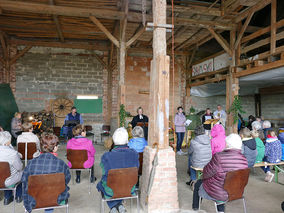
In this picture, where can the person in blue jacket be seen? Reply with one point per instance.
(121, 156)
(138, 142)
(281, 138)
(71, 120)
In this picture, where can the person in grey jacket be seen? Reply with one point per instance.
(200, 152)
(8, 154)
(249, 146)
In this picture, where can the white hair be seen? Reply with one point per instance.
(5, 137)
(256, 125)
(234, 141)
(120, 136)
(138, 132)
(266, 124)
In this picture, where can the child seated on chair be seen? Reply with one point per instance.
(80, 142)
(273, 153)
(138, 142)
(200, 153)
(8, 154)
(249, 146)
(121, 156)
(259, 146)
(28, 136)
(45, 163)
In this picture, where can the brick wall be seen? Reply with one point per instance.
(48, 73)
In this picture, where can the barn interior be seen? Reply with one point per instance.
(100, 55)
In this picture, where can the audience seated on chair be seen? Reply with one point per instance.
(121, 156)
(200, 152)
(266, 125)
(249, 146)
(45, 163)
(8, 154)
(138, 142)
(80, 142)
(211, 187)
(28, 136)
(218, 138)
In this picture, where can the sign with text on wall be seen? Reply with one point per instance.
(212, 64)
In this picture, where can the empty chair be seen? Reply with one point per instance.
(105, 132)
(45, 189)
(27, 150)
(4, 174)
(77, 158)
(121, 181)
(235, 183)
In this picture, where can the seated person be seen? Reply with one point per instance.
(266, 125)
(8, 154)
(80, 142)
(138, 142)
(71, 120)
(121, 156)
(281, 138)
(218, 135)
(28, 136)
(273, 153)
(214, 173)
(259, 147)
(257, 126)
(249, 146)
(45, 163)
(200, 152)
(205, 117)
(16, 124)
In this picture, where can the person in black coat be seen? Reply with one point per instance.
(140, 118)
(208, 115)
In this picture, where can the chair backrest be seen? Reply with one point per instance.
(235, 183)
(4, 173)
(88, 128)
(77, 158)
(140, 163)
(46, 188)
(106, 128)
(31, 146)
(121, 181)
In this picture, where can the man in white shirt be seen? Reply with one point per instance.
(221, 115)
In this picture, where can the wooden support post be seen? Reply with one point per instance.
(273, 26)
(221, 41)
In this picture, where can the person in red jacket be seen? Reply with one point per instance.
(214, 173)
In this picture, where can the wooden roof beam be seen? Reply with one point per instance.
(249, 10)
(221, 41)
(56, 21)
(136, 36)
(20, 54)
(196, 10)
(4, 45)
(105, 30)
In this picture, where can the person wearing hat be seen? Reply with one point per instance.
(8, 154)
(121, 156)
(214, 173)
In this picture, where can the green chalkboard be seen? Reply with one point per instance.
(8, 106)
(89, 105)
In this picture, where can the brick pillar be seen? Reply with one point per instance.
(164, 194)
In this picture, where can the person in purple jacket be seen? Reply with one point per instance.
(180, 129)
(80, 142)
(214, 173)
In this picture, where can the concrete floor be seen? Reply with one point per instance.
(261, 197)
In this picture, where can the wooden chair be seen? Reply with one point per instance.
(105, 132)
(121, 181)
(4, 174)
(235, 183)
(140, 163)
(77, 158)
(27, 149)
(45, 189)
(89, 132)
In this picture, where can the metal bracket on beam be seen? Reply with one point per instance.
(150, 27)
